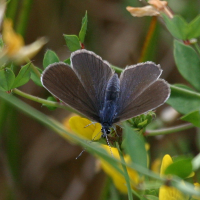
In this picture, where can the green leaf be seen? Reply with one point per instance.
(50, 57)
(7, 78)
(182, 167)
(35, 78)
(194, 28)
(188, 63)
(180, 29)
(67, 61)
(134, 146)
(72, 42)
(177, 26)
(193, 117)
(51, 98)
(83, 30)
(183, 100)
(23, 76)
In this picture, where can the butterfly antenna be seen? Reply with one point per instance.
(89, 142)
(80, 153)
(89, 124)
(109, 145)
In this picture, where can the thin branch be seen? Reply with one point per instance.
(166, 131)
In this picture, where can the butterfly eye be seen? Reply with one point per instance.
(108, 131)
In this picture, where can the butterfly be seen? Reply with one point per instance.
(92, 87)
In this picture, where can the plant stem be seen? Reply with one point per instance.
(35, 70)
(117, 69)
(183, 90)
(126, 176)
(23, 17)
(166, 131)
(42, 101)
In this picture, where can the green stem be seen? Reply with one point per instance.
(42, 101)
(178, 89)
(23, 17)
(117, 69)
(126, 176)
(12, 9)
(166, 131)
(35, 70)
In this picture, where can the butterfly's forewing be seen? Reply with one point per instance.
(60, 80)
(141, 90)
(94, 74)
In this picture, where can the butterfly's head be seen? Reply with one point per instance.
(105, 130)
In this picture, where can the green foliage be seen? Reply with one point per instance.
(193, 117)
(183, 100)
(181, 167)
(140, 122)
(50, 57)
(134, 146)
(51, 98)
(83, 30)
(67, 61)
(23, 76)
(182, 30)
(188, 63)
(35, 78)
(72, 42)
(7, 78)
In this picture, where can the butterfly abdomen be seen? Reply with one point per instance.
(108, 112)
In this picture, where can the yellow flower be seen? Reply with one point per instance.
(167, 192)
(79, 126)
(83, 127)
(14, 48)
(154, 9)
(117, 178)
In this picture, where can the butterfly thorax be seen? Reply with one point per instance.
(110, 105)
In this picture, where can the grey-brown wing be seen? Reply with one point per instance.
(94, 74)
(141, 90)
(60, 80)
(154, 96)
